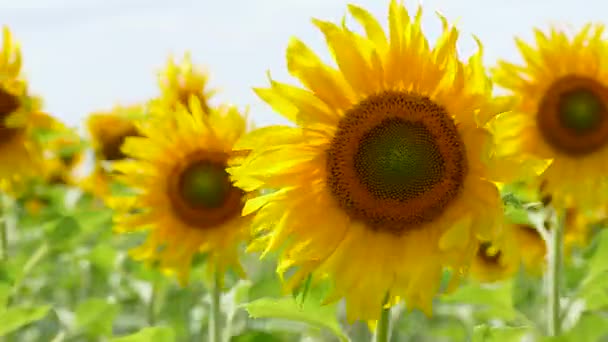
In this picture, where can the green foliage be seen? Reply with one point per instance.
(156, 334)
(310, 312)
(69, 278)
(95, 316)
(16, 317)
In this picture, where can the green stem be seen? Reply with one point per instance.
(153, 302)
(3, 228)
(554, 252)
(383, 327)
(215, 333)
(29, 265)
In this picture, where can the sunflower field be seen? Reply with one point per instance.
(415, 195)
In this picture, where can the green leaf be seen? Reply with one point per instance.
(590, 327)
(156, 334)
(257, 336)
(95, 316)
(5, 292)
(597, 264)
(491, 300)
(485, 333)
(63, 230)
(310, 312)
(17, 317)
(103, 256)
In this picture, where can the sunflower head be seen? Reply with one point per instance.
(496, 260)
(20, 116)
(183, 195)
(388, 177)
(64, 154)
(178, 82)
(561, 115)
(533, 248)
(109, 130)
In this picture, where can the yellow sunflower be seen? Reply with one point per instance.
(185, 199)
(179, 82)
(108, 131)
(496, 260)
(388, 177)
(533, 248)
(64, 154)
(562, 112)
(20, 115)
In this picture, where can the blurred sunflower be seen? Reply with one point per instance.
(108, 131)
(20, 116)
(65, 153)
(184, 196)
(533, 248)
(562, 112)
(389, 172)
(179, 82)
(496, 260)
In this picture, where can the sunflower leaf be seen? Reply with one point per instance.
(590, 327)
(493, 300)
(17, 317)
(157, 334)
(95, 316)
(310, 312)
(485, 333)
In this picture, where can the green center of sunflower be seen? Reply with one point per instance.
(488, 253)
(580, 110)
(8, 105)
(204, 184)
(398, 159)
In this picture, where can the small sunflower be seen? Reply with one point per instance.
(562, 113)
(184, 196)
(388, 177)
(496, 260)
(533, 248)
(19, 118)
(64, 154)
(109, 130)
(179, 82)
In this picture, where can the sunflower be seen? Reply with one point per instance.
(562, 113)
(179, 82)
(64, 154)
(533, 247)
(388, 176)
(19, 117)
(496, 260)
(184, 196)
(108, 131)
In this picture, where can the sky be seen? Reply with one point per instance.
(83, 56)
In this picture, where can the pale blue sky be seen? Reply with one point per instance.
(87, 55)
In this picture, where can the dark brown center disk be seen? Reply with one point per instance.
(573, 116)
(396, 161)
(201, 192)
(484, 253)
(111, 148)
(8, 105)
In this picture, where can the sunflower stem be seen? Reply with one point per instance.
(383, 327)
(215, 333)
(554, 253)
(153, 301)
(3, 228)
